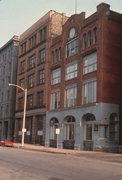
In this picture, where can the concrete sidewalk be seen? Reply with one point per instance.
(111, 157)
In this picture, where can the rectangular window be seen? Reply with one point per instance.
(22, 66)
(23, 48)
(55, 100)
(32, 60)
(41, 76)
(70, 131)
(84, 41)
(89, 38)
(32, 42)
(70, 96)
(40, 98)
(56, 76)
(31, 81)
(72, 48)
(22, 82)
(90, 63)
(42, 55)
(20, 103)
(30, 101)
(71, 71)
(89, 91)
(43, 34)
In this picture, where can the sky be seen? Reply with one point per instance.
(16, 16)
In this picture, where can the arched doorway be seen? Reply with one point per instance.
(69, 132)
(113, 128)
(54, 123)
(89, 122)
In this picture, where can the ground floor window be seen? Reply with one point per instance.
(113, 127)
(70, 128)
(53, 127)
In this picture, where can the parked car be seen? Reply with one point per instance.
(7, 143)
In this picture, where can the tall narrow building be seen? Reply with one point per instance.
(8, 73)
(32, 73)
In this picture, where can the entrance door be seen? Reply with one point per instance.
(88, 131)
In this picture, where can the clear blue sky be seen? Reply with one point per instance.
(18, 15)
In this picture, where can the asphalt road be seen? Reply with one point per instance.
(18, 164)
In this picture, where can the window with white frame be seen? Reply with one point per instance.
(90, 63)
(89, 91)
(71, 71)
(72, 48)
(53, 126)
(69, 128)
(70, 96)
(55, 100)
(56, 76)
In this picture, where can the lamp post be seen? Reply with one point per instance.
(24, 112)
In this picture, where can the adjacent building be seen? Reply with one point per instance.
(8, 71)
(33, 62)
(84, 107)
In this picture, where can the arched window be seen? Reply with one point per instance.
(113, 127)
(53, 126)
(69, 128)
(89, 121)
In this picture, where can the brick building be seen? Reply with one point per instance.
(8, 70)
(32, 74)
(85, 84)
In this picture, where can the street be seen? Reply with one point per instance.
(19, 164)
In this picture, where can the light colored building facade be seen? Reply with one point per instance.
(32, 74)
(8, 71)
(84, 89)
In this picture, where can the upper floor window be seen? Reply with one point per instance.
(89, 91)
(55, 100)
(90, 63)
(84, 41)
(43, 34)
(71, 71)
(22, 66)
(42, 55)
(31, 81)
(32, 60)
(20, 103)
(30, 101)
(32, 42)
(23, 48)
(72, 47)
(70, 96)
(40, 98)
(22, 82)
(56, 55)
(56, 76)
(94, 35)
(41, 76)
(89, 38)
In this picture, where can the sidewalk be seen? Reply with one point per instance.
(111, 157)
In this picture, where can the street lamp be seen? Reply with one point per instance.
(24, 113)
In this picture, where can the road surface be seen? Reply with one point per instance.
(18, 164)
